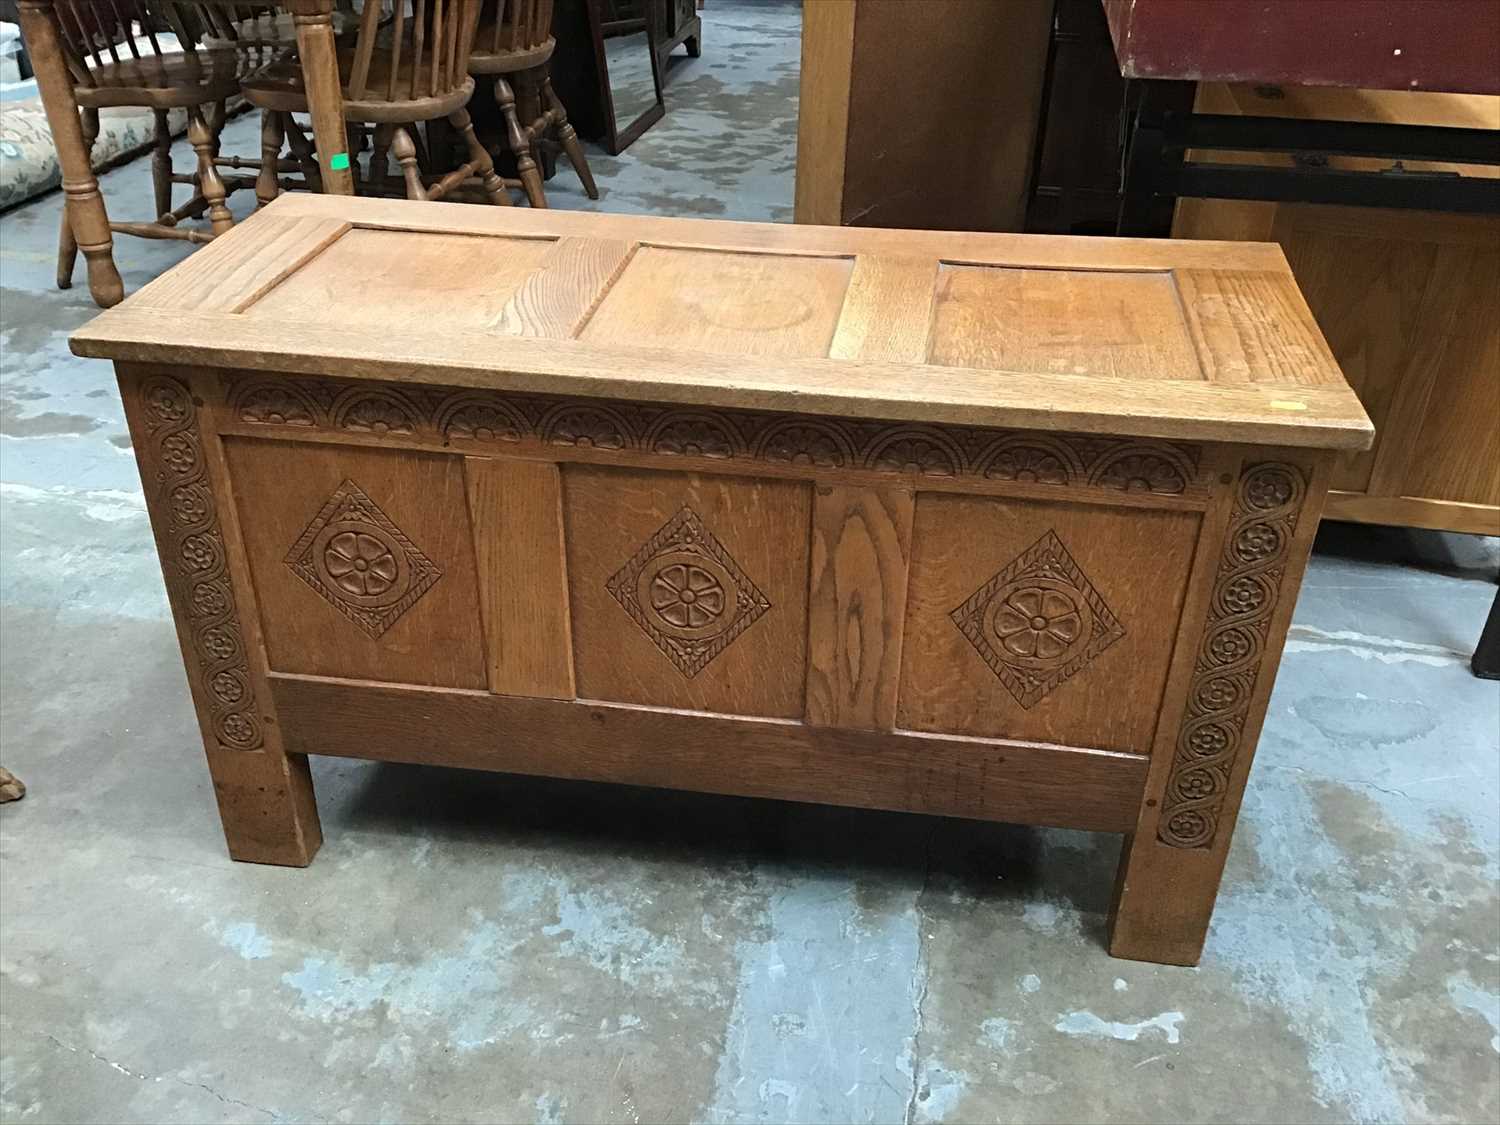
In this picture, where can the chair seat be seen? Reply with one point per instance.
(279, 87)
(167, 81)
(482, 60)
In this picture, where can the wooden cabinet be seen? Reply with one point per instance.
(991, 526)
(1406, 300)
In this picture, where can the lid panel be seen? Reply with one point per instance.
(1123, 325)
(404, 281)
(723, 302)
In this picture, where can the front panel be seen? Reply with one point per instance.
(944, 580)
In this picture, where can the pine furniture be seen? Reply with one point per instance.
(981, 525)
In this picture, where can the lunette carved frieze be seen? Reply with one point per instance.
(194, 560)
(479, 419)
(1248, 584)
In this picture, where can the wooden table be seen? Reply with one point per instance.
(991, 526)
(85, 204)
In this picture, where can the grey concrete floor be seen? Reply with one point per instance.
(474, 947)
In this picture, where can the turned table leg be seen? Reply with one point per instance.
(86, 216)
(265, 795)
(1253, 550)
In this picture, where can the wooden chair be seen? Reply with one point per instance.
(114, 57)
(404, 66)
(515, 39)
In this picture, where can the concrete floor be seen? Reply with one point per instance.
(472, 947)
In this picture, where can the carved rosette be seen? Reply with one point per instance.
(194, 561)
(687, 593)
(1037, 622)
(1267, 503)
(361, 563)
(389, 413)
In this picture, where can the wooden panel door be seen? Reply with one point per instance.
(1051, 622)
(363, 561)
(688, 590)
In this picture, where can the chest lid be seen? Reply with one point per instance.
(1205, 341)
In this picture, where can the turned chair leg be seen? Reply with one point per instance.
(406, 156)
(161, 163)
(479, 157)
(302, 153)
(568, 137)
(520, 144)
(380, 150)
(210, 183)
(67, 244)
(268, 179)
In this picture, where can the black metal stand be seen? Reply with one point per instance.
(1162, 128)
(1486, 662)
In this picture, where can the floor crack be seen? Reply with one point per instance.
(125, 1070)
(919, 1001)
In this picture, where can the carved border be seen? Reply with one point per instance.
(475, 419)
(1245, 593)
(195, 563)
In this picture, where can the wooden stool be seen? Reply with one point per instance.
(515, 38)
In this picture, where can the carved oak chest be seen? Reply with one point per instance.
(980, 525)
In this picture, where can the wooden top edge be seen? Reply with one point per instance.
(1328, 417)
(1040, 251)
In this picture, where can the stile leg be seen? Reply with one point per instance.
(520, 144)
(569, 138)
(1252, 553)
(1486, 660)
(265, 796)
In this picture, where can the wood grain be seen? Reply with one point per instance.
(736, 304)
(1077, 322)
(569, 282)
(1321, 417)
(1131, 569)
(861, 547)
(887, 314)
(823, 111)
(282, 489)
(515, 508)
(265, 795)
(1165, 892)
(1011, 781)
(227, 279)
(615, 521)
(381, 280)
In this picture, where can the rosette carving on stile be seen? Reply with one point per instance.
(1267, 502)
(193, 558)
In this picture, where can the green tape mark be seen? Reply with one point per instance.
(339, 162)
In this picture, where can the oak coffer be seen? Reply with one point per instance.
(994, 526)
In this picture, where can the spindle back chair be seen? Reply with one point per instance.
(114, 54)
(515, 39)
(406, 64)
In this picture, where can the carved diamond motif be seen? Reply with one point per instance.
(360, 562)
(687, 594)
(1038, 621)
